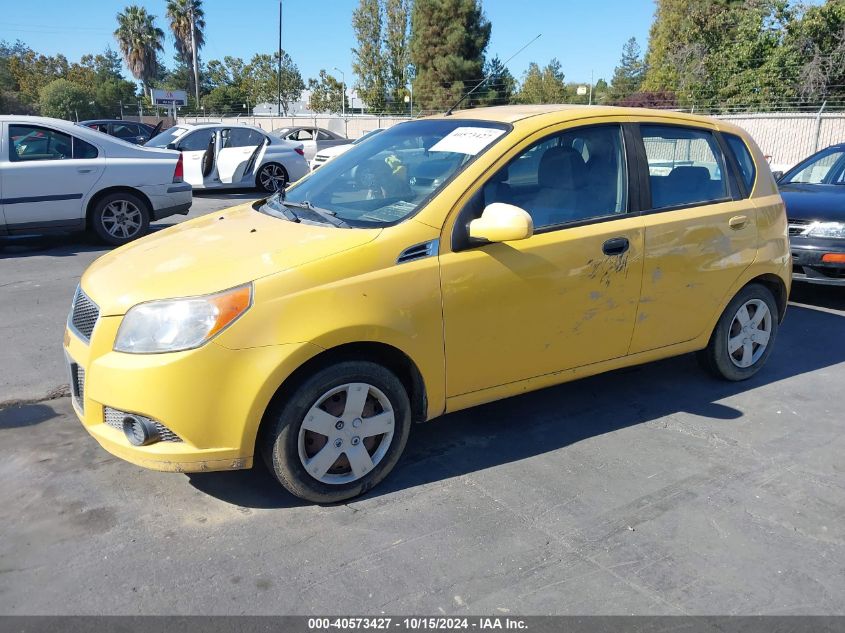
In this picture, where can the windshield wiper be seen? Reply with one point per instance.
(326, 214)
(273, 206)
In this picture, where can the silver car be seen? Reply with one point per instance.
(233, 156)
(313, 139)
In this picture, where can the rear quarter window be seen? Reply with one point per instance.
(743, 159)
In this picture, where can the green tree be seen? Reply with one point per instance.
(260, 80)
(500, 85)
(448, 40)
(396, 53)
(327, 94)
(229, 72)
(139, 40)
(187, 23)
(226, 99)
(368, 62)
(67, 100)
(543, 85)
(628, 75)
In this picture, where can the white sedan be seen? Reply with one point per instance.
(234, 156)
(55, 175)
(325, 155)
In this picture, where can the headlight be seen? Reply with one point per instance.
(828, 229)
(178, 324)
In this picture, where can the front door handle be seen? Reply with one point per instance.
(615, 246)
(738, 221)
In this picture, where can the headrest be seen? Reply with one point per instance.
(562, 168)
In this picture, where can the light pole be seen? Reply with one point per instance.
(343, 95)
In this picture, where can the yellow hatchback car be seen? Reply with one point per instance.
(444, 263)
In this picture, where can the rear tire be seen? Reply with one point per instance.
(339, 433)
(120, 217)
(271, 177)
(744, 335)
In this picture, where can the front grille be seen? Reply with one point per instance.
(83, 314)
(77, 385)
(114, 419)
(799, 227)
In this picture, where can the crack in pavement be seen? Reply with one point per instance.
(62, 391)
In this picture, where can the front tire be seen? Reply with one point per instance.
(120, 217)
(271, 178)
(339, 433)
(744, 336)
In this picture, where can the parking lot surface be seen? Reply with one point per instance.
(653, 490)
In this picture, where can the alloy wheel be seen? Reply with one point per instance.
(272, 178)
(749, 334)
(346, 433)
(122, 219)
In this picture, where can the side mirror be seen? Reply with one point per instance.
(171, 146)
(778, 175)
(502, 222)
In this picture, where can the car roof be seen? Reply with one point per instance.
(205, 126)
(514, 113)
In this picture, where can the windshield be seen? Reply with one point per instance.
(367, 135)
(167, 137)
(393, 174)
(825, 168)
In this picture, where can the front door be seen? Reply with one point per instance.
(47, 176)
(700, 235)
(198, 156)
(240, 150)
(566, 296)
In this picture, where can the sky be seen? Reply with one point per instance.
(585, 35)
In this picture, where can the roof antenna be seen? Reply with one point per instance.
(481, 83)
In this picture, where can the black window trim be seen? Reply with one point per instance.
(33, 126)
(838, 166)
(460, 231)
(642, 166)
(745, 190)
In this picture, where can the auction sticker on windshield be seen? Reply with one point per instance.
(467, 140)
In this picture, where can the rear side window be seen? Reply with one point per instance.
(82, 149)
(743, 159)
(685, 166)
(242, 137)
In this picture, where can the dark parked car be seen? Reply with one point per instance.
(130, 131)
(814, 193)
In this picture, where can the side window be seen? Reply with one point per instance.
(196, 141)
(743, 159)
(126, 130)
(27, 142)
(243, 137)
(322, 136)
(82, 149)
(685, 166)
(572, 176)
(304, 135)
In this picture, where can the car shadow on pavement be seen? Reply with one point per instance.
(524, 426)
(50, 245)
(25, 414)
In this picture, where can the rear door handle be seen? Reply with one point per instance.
(738, 221)
(615, 246)
(84, 171)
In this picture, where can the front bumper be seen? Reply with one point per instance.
(807, 264)
(212, 398)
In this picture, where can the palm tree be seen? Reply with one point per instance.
(140, 42)
(187, 16)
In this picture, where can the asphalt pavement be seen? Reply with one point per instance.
(652, 490)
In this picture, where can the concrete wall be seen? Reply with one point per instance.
(786, 137)
(790, 137)
(352, 127)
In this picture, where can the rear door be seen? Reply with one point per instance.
(46, 176)
(198, 154)
(239, 149)
(700, 232)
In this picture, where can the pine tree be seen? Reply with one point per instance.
(543, 85)
(396, 54)
(500, 85)
(448, 40)
(628, 75)
(368, 61)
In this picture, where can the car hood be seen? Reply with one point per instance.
(335, 150)
(208, 254)
(814, 202)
